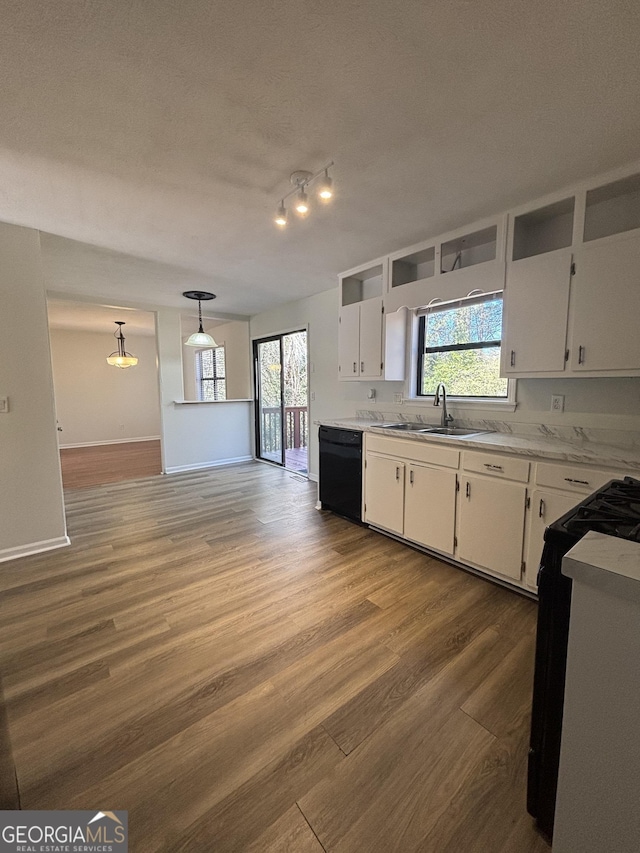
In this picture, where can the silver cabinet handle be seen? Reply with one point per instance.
(513, 358)
(411, 476)
(468, 489)
(355, 367)
(580, 355)
(580, 482)
(493, 467)
(397, 472)
(362, 367)
(541, 509)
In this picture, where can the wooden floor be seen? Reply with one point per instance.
(244, 673)
(109, 463)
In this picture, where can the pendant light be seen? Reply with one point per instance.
(121, 358)
(200, 338)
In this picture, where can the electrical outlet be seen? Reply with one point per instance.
(371, 394)
(557, 403)
(313, 396)
(4, 404)
(397, 398)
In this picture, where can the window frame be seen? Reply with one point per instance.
(199, 378)
(414, 378)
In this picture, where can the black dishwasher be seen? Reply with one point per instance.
(341, 471)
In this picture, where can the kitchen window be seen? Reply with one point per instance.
(459, 345)
(210, 374)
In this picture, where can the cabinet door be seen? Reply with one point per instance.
(536, 305)
(490, 527)
(546, 507)
(606, 306)
(349, 341)
(384, 493)
(371, 338)
(430, 507)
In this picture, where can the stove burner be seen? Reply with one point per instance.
(614, 510)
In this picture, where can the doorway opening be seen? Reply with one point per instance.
(281, 379)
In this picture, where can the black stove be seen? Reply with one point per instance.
(614, 510)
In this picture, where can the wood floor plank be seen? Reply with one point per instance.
(243, 672)
(109, 463)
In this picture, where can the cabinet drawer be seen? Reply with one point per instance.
(417, 451)
(496, 465)
(571, 477)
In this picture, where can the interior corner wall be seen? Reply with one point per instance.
(31, 500)
(97, 403)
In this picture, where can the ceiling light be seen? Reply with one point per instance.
(325, 189)
(302, 203)
(301, 180)
(281, 215)
(200, 338)
(121, 358)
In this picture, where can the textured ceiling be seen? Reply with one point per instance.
(162, 134)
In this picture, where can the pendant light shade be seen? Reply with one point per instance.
(200, 338)
(121, 358)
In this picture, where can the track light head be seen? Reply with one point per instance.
(302, 203)
(325, 189)
(281, 215)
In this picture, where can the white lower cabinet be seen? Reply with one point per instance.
(384, 493)
(430, 507)
(490, 525)
(546, 507)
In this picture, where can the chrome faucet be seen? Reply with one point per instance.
(446, 417)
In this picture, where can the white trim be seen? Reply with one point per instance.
(197, 466)
(208, 402)
(115, 441)
(314, 479)
(34, 548)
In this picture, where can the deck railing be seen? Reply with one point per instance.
(296, 428)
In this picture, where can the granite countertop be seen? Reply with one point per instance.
(541, 447)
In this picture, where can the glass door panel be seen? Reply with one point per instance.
(294, 347)
(269, 414)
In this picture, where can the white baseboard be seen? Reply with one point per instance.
(33, 548)
(199, 466)
(312, 477)
(115, 441)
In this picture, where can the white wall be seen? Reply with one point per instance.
(195, 435)
(607, 404)
(31, 502)
(99, 403)
(237, 352)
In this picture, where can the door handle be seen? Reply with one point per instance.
(513, 358)
(541, 509)
(493, 467)
(580, 355)
(468, 489)
(397, 472)
(355, 367)
(411, 477)
(362, 367)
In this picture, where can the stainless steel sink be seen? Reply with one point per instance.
(409, 427)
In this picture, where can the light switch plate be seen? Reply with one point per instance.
(4, 405)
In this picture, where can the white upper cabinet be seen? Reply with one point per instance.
(572, 293)
(536, 306)
(606, 287)
(360, 322)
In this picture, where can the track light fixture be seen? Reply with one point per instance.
(120, 357)
(200, 338)
(301, 181)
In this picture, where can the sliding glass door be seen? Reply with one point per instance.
(282, 426)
